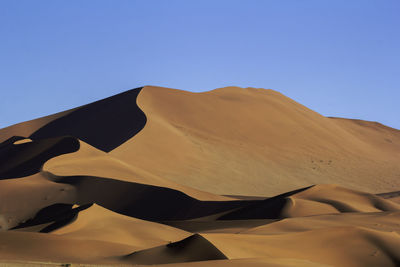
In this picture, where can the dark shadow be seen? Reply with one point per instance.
(197, 226)
(28, 158)
(192, 248)
(145, 202)
(270, 208)
(10, 141)
(58, 215)
(104, 124)
(389, 195)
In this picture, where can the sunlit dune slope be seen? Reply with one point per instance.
(98, 223)
(89, 161)
(250, 262)
(334, 246)
(22, 198)
(382, 221)
(315, 200)
(193, 248)
(229, 177)
(249, 141)
(339, 246)
(53, 248)
(231, 141)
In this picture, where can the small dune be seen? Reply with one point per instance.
(338, 246)
(193, 248)
(315, 200)
(98, 223)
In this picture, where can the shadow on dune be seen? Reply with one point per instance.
(10, 141)
(28, 158)
(104, 124)
(389, 195)
(192, 248)
(56, 215)
(270, 208)
(145, 202)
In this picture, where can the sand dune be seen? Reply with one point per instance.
(193, 248)
(22, 198)
(25, 129)
(315, 200)
(98, 223)
(144, 201)
(89, 161)
(229, 177)
(382, 221)
(338, 246)
(23, 159)
(277, 144)
(109, 116)
(53, 248)
(218, 226)
(247, 141)
(253, 262)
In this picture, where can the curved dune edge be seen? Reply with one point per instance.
(192, 248)
(315, 200)
(252, 262)
(379, 221)
(98, 223)
(22, 141)
(143, 201)
(89, 161)
(194, 146)
(28, 127)
(24, 246)
(367, 235)
(21, 199)
(105, 124)
(24, 159)
(338, 246)
(247, 141)
(182, 144)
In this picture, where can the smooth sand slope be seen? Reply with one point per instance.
(315, 200)
(247, 141)
(171, 178)
(230, 141)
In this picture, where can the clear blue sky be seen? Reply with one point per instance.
(339, 58)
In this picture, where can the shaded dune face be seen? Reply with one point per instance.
(338, 246)
(105, 124)
(248, 141)
(139, 178)
(22, 198)
(271, 208)
(19, 160)
(53, 217)
(315, 200)
(193, 248)
(145, 201)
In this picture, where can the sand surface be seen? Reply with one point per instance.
(230, 177)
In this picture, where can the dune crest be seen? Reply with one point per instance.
(314, 200)
(229, 177)
(247, 141)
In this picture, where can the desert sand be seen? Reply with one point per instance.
(228, 177)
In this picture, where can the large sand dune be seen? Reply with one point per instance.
(229, 177)
(247, 141)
